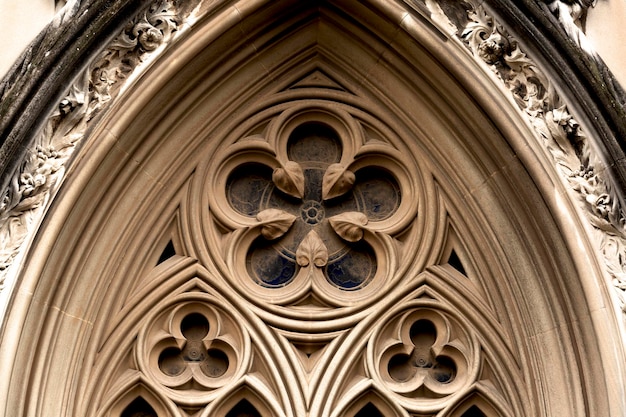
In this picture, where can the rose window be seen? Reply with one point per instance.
(313, 211)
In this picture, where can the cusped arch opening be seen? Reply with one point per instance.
(138, 137)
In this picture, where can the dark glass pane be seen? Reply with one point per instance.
(194, 326)
(444, 370)
(369, 410)
(313, 184)
(455, 262)
(139, 408)
(352, 268)
(167, 253)
(268, 266)
(473, 411)
(399, 368)
(423, 334)
(216, 363)
(314, 142)
(243, 409)
(171, 362)
(377, 193)
(248, 186)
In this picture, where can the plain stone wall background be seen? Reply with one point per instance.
(22, 20)
(606, 29)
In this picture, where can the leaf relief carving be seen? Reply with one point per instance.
(274, 223)
(312, 250)
(349, 225)
(290, 179)
(337, 181)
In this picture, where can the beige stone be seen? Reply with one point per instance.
(22, 21)
(300, 209)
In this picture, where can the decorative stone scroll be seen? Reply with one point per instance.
(570, 15)
(557, 129)
(24, 203)
(306, 213)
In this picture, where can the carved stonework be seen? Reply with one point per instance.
(560, 134)
(311, 221)
(424, 358)
(23, 204)
(192, 348)
(319, 257)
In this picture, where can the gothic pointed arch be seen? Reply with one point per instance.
(313, 208)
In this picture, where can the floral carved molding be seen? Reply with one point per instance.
(560, 134)
(34, 185)
(23, 203)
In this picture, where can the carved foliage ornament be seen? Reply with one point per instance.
(560, 134)
(23, 203)
(571, 15)
(313, 210)
(21, 206)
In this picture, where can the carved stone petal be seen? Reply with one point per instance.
(337, 181)
(274, 223)
(349, 226)
(312, 250)
(290, 179)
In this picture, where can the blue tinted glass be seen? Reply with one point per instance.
(353, 269)
(270, 267)
(377, 192)
(248, 186)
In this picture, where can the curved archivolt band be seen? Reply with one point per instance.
(424, 353)
(44, 165)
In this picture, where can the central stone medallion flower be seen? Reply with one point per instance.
(312, 212)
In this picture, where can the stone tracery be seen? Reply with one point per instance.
(184, 359)
(312, 207)
(306, 206)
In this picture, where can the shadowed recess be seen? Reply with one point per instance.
(455, 262)
(167, 253)
(139, 408)
(243, 409)
(369, 410)
(473, 411)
